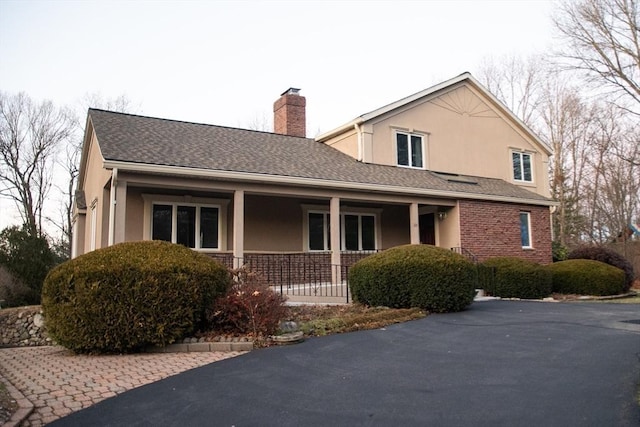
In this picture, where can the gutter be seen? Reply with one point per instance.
(312, 182)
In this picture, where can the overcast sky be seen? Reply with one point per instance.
(225, 63)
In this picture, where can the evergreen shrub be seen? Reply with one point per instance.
(518, 278)
(587, 277)
(422, 276)
(124, 297)
(608, 256)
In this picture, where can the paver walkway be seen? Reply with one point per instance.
(58, 382)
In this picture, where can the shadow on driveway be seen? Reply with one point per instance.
(499, 363)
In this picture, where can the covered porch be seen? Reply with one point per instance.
(301, 239)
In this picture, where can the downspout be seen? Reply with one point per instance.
(112, 206)
(356, 126)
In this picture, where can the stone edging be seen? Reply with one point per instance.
(202, 347)
(25, 407)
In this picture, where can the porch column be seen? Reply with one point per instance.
(238, 228)
(414, 223)
(120, 211)
(334, 212)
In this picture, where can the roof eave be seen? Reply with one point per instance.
(313, 182)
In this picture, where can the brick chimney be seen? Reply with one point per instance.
(289, 114)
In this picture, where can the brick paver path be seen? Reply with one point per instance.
(58, 382)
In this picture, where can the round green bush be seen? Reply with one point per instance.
(608, 256)
(124, 297)
(587, 277)
(518, 278)
(424, 276)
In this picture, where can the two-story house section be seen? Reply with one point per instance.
(449, 166)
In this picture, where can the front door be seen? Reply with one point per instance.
(428, 229)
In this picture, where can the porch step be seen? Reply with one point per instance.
(305, 299)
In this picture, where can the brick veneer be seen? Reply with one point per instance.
(490, 229)
(289, 115)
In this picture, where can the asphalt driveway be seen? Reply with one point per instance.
(499, 363)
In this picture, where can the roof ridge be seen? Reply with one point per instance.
(141, 116)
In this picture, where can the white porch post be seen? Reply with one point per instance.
(120, 211)
(414, 222)
(334, 212)
(238, 228)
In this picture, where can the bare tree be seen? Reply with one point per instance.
(603, 40)
(516, 82)
(30, 136)
(565, 121)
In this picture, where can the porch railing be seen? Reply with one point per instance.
(301, 274)
(311, 274)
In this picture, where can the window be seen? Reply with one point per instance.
(319, 234)
(358, 232)
(409, 150)
(522, 166)
(194, 226)
(525, 229)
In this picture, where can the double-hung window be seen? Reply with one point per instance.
(522, 170)
(357, 231)
(525, 230)
(410, 150)
(192, 225)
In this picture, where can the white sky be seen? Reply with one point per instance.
(225, 63)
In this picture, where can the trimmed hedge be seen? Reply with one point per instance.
(608, 256)
(423, 276)
(518, 278)
(127, 296)
(587, 277)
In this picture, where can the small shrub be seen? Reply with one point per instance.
(586, 277)
(518, 278)
(248, 307)
(608, 256)
(131, 295)
(559, 252)
(422, 276)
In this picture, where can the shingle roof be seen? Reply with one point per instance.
(147, 140)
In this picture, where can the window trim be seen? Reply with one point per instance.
(522, 153)
(529, 233)
(199, 202)
(423, 139)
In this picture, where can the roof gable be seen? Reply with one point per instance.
(438, 95)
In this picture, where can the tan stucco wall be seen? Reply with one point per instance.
(272, 224)
(96, 178)
(395, 226)
(135, 215)
(448, 229)
(346, 142)
(464, 132)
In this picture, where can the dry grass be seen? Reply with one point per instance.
(318, 320)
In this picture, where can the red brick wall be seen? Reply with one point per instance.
(490, 229)
(289, 115)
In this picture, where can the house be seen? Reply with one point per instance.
(449, 166)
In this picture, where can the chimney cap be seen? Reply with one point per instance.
(291, 91)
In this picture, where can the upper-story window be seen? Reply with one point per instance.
(522, 170)
(410, 150)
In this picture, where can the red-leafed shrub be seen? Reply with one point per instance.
(249, 307)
